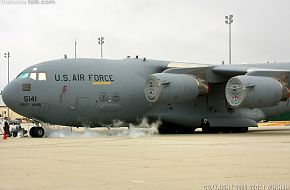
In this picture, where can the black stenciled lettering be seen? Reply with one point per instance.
(65, 78)
(90, 77)
(96, 77)
(101, 77)
(106, 78)
(30, 99)
(111, 78)
(75, 77)
(33, 99)
(82, 77)
(26, 98)
(24, 104)
(57, 77)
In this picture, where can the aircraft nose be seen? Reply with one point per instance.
(10, 95)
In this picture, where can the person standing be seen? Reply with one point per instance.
(6, 126)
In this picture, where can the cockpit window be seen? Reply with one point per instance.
(33, 76)
(23, 75)
(41, 76)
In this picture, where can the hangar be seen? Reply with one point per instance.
(4, 112)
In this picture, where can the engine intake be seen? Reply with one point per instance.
(171, 88)
(254, 92)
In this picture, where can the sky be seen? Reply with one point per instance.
(174, 30)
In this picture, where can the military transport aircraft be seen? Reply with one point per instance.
(184, 96)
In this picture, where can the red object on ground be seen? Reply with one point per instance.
(4, 136)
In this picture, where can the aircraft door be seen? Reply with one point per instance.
(82, 108)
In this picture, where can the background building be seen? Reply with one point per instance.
(3, 111)
(282, 117)
(3, 108)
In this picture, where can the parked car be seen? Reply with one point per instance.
(14, 122)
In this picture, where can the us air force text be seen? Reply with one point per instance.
(82, 77)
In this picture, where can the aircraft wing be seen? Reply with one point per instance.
(255, 70)
(221, 73)
(230, 70)
(240, 81)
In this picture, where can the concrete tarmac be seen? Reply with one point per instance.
(260, 157)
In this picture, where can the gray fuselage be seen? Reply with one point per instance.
(93, 92)
(79, 92)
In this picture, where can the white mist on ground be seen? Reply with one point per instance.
(117, 128)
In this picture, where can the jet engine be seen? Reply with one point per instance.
(171, 88)
(254, 92)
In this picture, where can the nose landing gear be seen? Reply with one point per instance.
(37, 131)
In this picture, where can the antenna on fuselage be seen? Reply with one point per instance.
(75, 48)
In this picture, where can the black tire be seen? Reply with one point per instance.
(36, 132)
(239, 129)
(171, 128)
(225, 130)
(32, 131)
(205, 126)
(244, 129)
(166, 129)
(210, 130)
(14, 134)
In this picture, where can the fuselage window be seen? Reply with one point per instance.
(33, 76)
(23, 75)
(41, 76)
(26, 87)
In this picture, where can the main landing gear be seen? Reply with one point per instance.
(170, 128)
(205, 126)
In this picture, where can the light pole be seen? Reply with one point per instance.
(229, 20)
(101, 42)
(7, 55)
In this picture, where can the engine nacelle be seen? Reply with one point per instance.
(171, 88)
(254, 92)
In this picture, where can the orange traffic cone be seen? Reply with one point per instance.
(4, 136)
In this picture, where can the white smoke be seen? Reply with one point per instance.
(152, 128)
(117, 128)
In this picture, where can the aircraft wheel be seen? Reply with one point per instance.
(240, 130)
(205, 126)
(37, 132)
(244, 129)
(170, 128)
(14, 134)
(163, 129)
(210, 130)
(225, 130)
